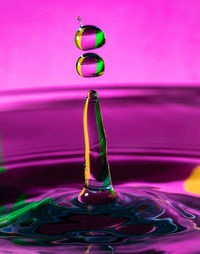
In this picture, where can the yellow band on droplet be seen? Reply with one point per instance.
(79, 66)
(79, 37)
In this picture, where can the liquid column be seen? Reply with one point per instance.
(98, 187)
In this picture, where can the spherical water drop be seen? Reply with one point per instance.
(90, 65)
(89, 37)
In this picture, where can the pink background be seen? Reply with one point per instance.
(148, 41)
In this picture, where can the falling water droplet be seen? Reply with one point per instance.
(90, 65)
(98, 186)
(89, 37)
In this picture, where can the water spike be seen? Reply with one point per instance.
(98, 187)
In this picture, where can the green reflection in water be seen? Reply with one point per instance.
(2, 169)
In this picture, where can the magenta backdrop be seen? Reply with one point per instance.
(153, 41)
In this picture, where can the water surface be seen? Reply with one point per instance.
(153, 149)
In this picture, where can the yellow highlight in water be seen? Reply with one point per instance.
(87, 151)
(192, 183)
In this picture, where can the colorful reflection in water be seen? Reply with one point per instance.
(155, 171)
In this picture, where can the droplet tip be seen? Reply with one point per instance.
(79, 19)
(92, 94)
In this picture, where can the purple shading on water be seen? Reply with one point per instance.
(151, 152)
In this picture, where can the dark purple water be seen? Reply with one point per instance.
(153, 150)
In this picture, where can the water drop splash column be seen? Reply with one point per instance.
(98, 187)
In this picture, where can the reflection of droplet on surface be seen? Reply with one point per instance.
(90, 65)
(89, 37)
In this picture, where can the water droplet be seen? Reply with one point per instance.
(90, 65)
(79, 19)
(89, 37)
(98, 186)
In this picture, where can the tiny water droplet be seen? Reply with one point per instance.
(89, 37)
(79, 19)
(90, 65)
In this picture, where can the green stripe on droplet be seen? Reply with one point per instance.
(100, 67)
(99, 38)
